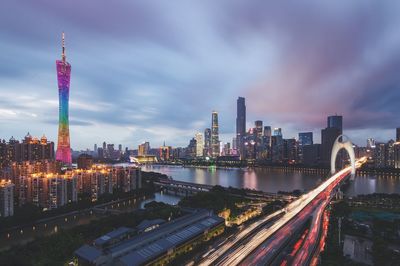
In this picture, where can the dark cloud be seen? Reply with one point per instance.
(141, 68)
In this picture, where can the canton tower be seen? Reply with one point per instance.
(63, 76)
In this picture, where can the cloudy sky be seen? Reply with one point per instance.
(155, 70)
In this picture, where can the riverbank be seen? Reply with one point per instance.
(323, 170)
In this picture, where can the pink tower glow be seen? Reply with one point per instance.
(63, 76)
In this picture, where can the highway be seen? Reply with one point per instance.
(263, 247)
(212, 256)
(303, 257)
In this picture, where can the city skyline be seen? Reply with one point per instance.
(130, 99)
(204, 133)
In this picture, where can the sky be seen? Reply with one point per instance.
(155, 70)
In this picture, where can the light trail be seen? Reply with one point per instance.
(228, 256)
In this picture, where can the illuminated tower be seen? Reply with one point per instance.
(63, 76)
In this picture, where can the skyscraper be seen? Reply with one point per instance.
(336, 121)
(305, 138)
(278, 131)
(144, 149)
(199, 144)
(398, 134)
(328, 136)
(267, 131)
(207, 142)
(240, 122)
(214, 135)
(259, 128)
(63, 153)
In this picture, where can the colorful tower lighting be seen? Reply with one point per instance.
(63, 76)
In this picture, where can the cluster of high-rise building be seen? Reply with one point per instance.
(28, 149)
(36, 183)
(108, 151)
(32, 173)
(382, 154)
(265, 144)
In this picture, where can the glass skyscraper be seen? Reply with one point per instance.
(336, 121)
(207, 142)
(240, 123)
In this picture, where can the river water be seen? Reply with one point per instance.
(270, 180)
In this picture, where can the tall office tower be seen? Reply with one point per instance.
(234, 146)
(289, 150)
(95, 148)
(207, 142)
(306, 138)
(398, 134)
(63, 153)
(336, 121)
(199, 144)
(380, 155)
(226, 149)
(390, 154)
(110, 151)
(144, 149)
(278, 131)
(396, 147)
(328, 137)
(240, 122)
(214, 135)
(191, 149)
(267, 131)
(259, 128)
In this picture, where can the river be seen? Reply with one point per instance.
(271, 180)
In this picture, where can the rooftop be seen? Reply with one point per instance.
(147, 223)
(112, 235)
(149, 245)
(161, 246)
(88, 253)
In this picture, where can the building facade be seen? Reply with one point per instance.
(6, 198)
(199, 144)
(215, 145)
(240, 123)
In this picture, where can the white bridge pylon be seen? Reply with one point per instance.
(348, 146)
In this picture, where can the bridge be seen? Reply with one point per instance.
(263, 242)
(181, 188)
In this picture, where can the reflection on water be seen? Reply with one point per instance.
(271, 181)
(368, 185)
(161, 197)
(258, 178)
